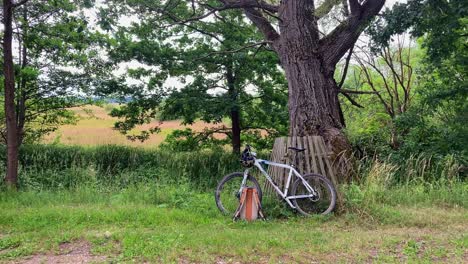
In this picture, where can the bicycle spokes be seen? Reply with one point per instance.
(313, 200)
(231, 192)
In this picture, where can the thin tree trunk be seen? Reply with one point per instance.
(22, 90)
(234, 114)
(11, 178)
(236, 131)
(394, 140)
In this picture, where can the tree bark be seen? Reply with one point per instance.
(234, 114)
(236, 131)
(11, 177)
(309, 62)
(314, 108)
(22, 89)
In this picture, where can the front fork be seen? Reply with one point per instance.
(244, 180)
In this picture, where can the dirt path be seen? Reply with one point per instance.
(68, 253)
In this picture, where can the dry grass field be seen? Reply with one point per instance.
(95, 127)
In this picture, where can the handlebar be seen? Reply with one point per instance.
(248, 157)
(247, 148)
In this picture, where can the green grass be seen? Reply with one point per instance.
(163, 223)
(136, 205)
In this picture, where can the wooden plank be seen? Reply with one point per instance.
(313, 160)
(271, 170)
(312, 156)
(293, 144)
(274, 153)
(280, 171)
(307, 156)
(279, 150)
(298, 155)
(303, 157)
(287, 161)
(331, 174)
(317, 167)
(320, 161)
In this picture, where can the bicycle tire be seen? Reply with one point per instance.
(228, 178)
(312, 179)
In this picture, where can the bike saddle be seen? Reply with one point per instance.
(296, 149)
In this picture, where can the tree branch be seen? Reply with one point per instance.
(357, 92)
(325, 8)
(251, 4)
(354, 6)
(262, 24)
(20, 3)
(345, 70)
(251, 8)
(351, 100)
(388, 107)
(248, 46)
(343, 37)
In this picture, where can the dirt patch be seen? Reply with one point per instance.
(69, 252)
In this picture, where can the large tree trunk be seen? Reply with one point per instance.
(314, 108)
(310, 60)
(11, 178)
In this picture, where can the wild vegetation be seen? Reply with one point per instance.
(116, 128)
(130, 204)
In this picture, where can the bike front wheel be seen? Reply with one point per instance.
(229, 190)
(324, 200)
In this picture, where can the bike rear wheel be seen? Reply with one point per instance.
(323, 203)
(227, 192)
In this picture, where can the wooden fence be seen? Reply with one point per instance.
(315, 159)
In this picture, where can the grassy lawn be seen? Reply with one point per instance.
(163, 225)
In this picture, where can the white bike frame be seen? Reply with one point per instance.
(284, 194)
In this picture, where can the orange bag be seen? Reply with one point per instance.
(250, 207)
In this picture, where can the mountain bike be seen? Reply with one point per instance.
(309, 194)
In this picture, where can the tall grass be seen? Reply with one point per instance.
(162, 178)
(417, 182)
(51, 166)
(67, 167)
(421, 168)
(56, 166)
